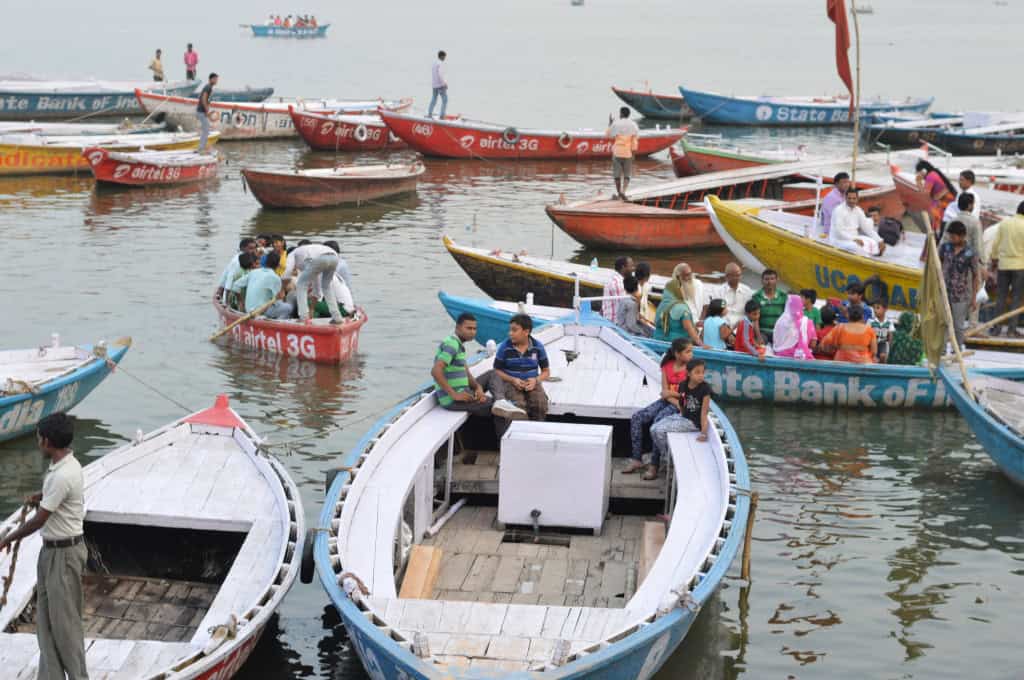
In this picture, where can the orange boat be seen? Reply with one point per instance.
(672, 216)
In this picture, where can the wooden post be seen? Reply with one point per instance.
(936, 266)
(977, 330)
(748, 537)
(254, 313)
(856, 98)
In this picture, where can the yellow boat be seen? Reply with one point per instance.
(41, 155)
(780, 241)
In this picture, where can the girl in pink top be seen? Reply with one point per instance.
(673, 373)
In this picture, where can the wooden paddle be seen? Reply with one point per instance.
(971, 332)
(256, 312)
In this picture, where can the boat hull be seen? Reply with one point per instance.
(1004, 447)
(333, 133)
(285, 190)
(19, 413)
(803, 263)
(262, 31)
(698, 161)
(725, 110)
(125, 172)
(17, 105)
(902, 138)
(33, 159)
(459, 139)
(248, 94)
(615, 224)
(322, 343)
(960, 144)
(655, 106)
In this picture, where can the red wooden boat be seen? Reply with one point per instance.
(672, 216)
(150, 168)
(331, 186)
(327, 132)
(319, 340)
(461, 138)
(996, 204)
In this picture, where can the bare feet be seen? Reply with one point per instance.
(634, 466)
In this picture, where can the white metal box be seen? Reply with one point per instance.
(563, 470)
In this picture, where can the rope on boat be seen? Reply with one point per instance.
(9, 579)
(186, 409)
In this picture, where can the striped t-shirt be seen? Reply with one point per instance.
(523, 365)
(453, 353)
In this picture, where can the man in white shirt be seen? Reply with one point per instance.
(966, 182)
(613, 288)
(852, 229)
(233, 269)
(59, 516)
(734, 292)
(316, 265)
(440, 85)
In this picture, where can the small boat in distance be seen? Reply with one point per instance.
(264, 31)
(331, 186)
(37, 382)
(150, 168)
(195, 536)
(656, 106)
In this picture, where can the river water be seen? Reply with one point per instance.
(886, 544)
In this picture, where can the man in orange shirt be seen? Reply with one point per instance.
(627, 137)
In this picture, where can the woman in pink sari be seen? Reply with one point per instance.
(939, 189)
(794, 333)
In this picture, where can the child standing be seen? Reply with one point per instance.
(883, 328)
(673, 372)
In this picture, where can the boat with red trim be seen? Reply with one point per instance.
(343, 132)
(331, 186)
(150, 168)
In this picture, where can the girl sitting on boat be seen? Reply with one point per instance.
(794, 334)
(694, 401)
(748, 331)
(673, 372)
(717, 333)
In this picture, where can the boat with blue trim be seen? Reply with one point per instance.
(654, 106)
(434, 586)
(993, 409)
(740, 377)
(37, 382)
(722, 109)
(47, 100)
(264, 31)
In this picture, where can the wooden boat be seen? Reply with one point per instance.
(334, 132)
(698, 160)
(602, 615)
(910, 133)
(996, 204)
(150, 168)
(671, 215)
(993, 410)
(238, 94)
(264, 31)
(656, 106)
(776, 380)
(46, 99)
(712, 107)
(318, 341)
(762, 238)
(1001, 138)
(331, 186)
(260, 120)
(37, 382)
(463, 138)
(40, 155)
(199, 534)
(51, 129)
(510, 276)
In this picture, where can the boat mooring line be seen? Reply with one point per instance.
(121, 369)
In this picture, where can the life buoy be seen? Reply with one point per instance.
(565, 140)
(510, 135)
(237, 119)
(361, 133)
(393, 138)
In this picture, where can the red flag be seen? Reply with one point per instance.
(837, 13)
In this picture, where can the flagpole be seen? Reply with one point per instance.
(856, 99)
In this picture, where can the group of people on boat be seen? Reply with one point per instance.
(292, 21)
(306, 281)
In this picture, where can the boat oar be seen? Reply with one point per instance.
(256, 312)
(971, 332)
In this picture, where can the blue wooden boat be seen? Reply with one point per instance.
(263, 31)
(389, 479)
(740, 377)
(244, 94)
(37, 382)
(47, 100)
(751, 110)
(994, 414)
(656, 106)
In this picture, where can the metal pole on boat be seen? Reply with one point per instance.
(856, 98)
(576, 305)
(813, 229)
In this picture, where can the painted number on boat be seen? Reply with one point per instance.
(292, 344)
(423, 129)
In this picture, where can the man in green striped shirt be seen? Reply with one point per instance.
(772, 301)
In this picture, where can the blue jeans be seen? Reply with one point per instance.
(438, 92)
(642, 420)
(204, 130)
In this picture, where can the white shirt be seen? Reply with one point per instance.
(953, 209)
(437, 76)
(298, 257)
(228, 276)
(64, 499)
(735, 300)
(850, 223)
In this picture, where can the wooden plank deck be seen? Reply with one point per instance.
(105, 659)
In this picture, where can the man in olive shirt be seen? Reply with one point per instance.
(772, 301)
(60, 512)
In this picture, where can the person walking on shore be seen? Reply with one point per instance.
(191, 62)
(627, 137)
(203, 111)
(440, 85)
(157, 67)
(60, 513)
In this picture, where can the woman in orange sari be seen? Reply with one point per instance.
(853, 341)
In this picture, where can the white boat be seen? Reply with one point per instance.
(125, 127)
(546, 583)
(194, 535)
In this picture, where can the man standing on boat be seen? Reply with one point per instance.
(157, 67)
(834, 199)
(60, 513)
(1007, 260)
(627, 138)
(316, 265)
(613, 288)
(440, 85)
(203, 111)
(191, 63)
